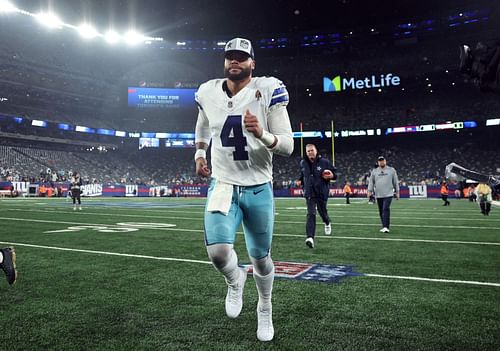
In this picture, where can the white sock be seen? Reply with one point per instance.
(264, 287)
(1, 257)
(231, 271)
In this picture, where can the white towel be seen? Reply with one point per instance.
(220, 199)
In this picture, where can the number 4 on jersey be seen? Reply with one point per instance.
(237, 140)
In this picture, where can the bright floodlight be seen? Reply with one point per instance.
(112, 37)
(133, 38)
(87, 31)
(50, 20)
(6, 6)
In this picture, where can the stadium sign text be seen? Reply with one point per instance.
(338, 83)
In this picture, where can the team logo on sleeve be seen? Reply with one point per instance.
(258, 95)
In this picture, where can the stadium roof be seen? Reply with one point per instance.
(202, 19)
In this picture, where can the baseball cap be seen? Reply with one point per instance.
(240, 44)
(380, 158)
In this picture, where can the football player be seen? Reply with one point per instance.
(246, 120)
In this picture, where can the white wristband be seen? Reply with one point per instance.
(267, 138)
(200, 153)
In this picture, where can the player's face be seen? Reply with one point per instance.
(238, 65)
(382, 163)
(311, 152)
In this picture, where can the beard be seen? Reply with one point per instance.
(243, 74)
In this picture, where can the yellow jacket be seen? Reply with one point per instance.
(483, 189)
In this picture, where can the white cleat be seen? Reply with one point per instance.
(265, 329)
(384, 230)
(310, 243)
(80, 208)
(328, 229)
(74, 208)
(234, 297)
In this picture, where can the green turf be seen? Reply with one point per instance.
(71, 300)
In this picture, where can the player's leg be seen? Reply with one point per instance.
(386, 212)
(258, 223)
(380, 203)
(220, 233)
(310, 221)
(264, 279)
(482, 205)
(323, 212)
(8, 264)
(79, 200)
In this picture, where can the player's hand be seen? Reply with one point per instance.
(202, 167)
(397, 196)
(327, 175)
(369, 194)
(252, 124)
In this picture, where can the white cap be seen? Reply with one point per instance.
(240, 44)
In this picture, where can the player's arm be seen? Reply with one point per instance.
(332, 168)
(371, 183)
(300, 182)
(395, 184)
(202, 139)
(279, 138)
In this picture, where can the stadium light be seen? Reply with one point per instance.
(133, 38)
(50, 20)
(87, 31)
(112, 37)
(6, 6)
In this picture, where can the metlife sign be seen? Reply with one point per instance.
(338, 83)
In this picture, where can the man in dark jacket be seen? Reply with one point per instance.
(316, 173)
(76, 183)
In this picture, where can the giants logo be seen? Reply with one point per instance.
(91, 190)
(131, 190)
(418, 191)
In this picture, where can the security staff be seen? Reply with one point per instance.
(444, 193)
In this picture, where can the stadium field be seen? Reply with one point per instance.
(133, 274)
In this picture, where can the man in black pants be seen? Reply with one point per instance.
(316, 173)
(76, 183)
(8, 264)
(384, 183)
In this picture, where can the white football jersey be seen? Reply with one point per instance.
(237, 156)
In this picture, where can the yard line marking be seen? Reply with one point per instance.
(276, 221)
(335, 215)
(393, 239)
(107, 253)
(435, 211)
(275, 234)
(471, 282)
(209, 263)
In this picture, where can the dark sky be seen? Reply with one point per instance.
(207, 19)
